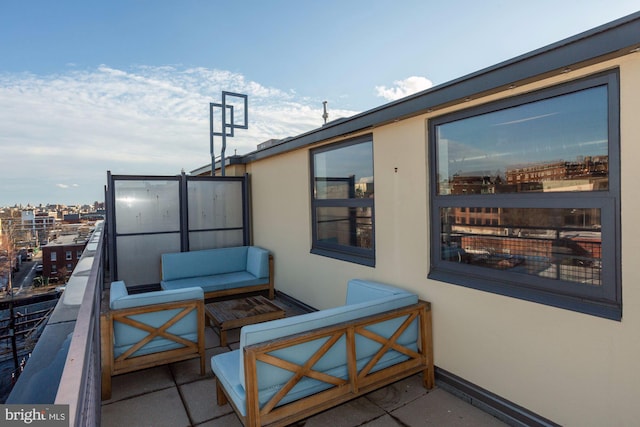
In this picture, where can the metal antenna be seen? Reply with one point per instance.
(227, 128)
(325, 115)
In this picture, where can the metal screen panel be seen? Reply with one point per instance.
(215, 239)
(215, 205)
(152, 215)
(139, 256)
(147, 206)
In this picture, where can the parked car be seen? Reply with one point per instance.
(39, 269)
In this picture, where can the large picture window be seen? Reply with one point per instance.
(342, 201)
(525, 197)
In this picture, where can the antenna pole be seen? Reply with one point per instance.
(325, 115)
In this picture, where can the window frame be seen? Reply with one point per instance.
(604, 301)
(352, 254)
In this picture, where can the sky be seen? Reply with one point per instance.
(124, 86)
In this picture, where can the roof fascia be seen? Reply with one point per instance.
(605, 42)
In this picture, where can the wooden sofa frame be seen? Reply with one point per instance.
(342, 390)
(125, 363)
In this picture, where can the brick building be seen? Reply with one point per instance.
(60, 256)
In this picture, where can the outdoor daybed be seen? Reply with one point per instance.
(220, 272)
(288, 369)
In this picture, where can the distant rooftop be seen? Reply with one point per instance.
(68, 239)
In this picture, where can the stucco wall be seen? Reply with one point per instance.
(569, 367)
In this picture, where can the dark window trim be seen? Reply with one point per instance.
(606, 304)
(335, 251)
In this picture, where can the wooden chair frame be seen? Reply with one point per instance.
(125, 363)
(341, 390)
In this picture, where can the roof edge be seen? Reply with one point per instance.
(613, 39)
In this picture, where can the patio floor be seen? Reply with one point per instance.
(176, 395)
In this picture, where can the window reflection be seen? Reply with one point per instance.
(347, 226)
(556, 144)
(345, 172)
(562, 244)
(342, 201)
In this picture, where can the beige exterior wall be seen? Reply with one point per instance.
(569, 367)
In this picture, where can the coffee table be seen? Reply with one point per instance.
(236, 313)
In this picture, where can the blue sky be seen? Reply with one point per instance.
(90, 86)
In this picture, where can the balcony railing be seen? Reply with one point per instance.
(64, 368)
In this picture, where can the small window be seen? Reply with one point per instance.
(69, 255)
(542, 170)
(54, 256)
(342, 195)
(79, 254)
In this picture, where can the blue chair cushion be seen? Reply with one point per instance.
(125, 336)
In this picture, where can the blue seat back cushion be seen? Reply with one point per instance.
(225, 367)
(336, 356)
(258, 262)
(156, 297)
(359, 290)
(155, 346)
(203, 263)
(118, 290)
(125, 335)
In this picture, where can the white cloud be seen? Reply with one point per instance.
(402, 88)
(146, 120)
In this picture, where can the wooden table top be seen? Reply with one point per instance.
(243, 311)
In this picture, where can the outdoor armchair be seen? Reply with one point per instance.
(143, 330)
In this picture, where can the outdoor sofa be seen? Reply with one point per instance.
(288, 369)
(220, 272)
(140, 331)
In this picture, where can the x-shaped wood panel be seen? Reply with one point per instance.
(154, 332)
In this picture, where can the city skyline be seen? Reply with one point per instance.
(125, 87)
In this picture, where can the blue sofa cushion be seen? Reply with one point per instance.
(225, 367)
(258, 262)
(364, 298)
(116, 291)
(216, 282)
(337, 355)
(206, 262)
(119, 297)
(359, 290)
(156, 345)
(125, 336)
